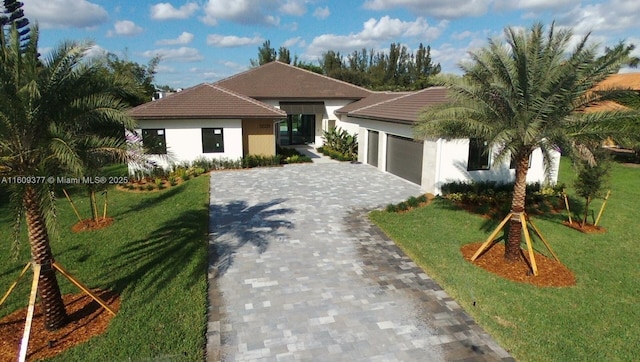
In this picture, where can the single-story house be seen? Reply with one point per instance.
(276, 103)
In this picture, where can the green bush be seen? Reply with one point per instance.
(343, 144)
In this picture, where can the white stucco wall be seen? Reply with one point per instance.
(452, 166)
(444, 161)
(184, 138)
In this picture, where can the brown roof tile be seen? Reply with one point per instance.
(403, 109)
(206, 101)
(621, 81)
(373, 98)
(277, 80)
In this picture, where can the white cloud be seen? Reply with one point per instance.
(612, 16)
(536, 5)
(376, 31)
(249, 12)
(65, 13)
(293, 7)
(297, 41)
(182, 54)
(232, 41)
(322, 13)
(434, 8)
(182, 39)
(124, 28)
(165, 11)
(95, 51)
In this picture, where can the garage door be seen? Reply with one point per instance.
(404, 158)
(372, 147)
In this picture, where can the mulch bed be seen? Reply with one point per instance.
(587, 228)
(86, 320)
(91, 224)
(551, 273)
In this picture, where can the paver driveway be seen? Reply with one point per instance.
(297, 272)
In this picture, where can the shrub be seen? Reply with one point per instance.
(391, 208)
(413, 201)
(342, 143)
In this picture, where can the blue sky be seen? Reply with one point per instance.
(203, 41)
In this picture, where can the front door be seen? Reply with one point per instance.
(298, 130)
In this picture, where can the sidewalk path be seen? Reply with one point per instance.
(298, 273)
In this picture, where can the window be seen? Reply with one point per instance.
(478, 155)
(154, 141)
(212, 140)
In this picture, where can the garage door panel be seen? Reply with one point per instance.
(372, 148)
(404, 158)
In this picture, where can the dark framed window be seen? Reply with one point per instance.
(212, 140)
(478, 155)
(154, 141)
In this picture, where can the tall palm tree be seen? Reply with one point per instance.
(49, 110)
(528, 92)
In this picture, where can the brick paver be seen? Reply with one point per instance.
(298, 273)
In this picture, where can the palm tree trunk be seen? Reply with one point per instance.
(514, 236)
(50, 298)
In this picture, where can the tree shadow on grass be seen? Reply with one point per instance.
(236, 224)
(153, 199)
(175, 250)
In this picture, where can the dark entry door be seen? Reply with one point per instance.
(298, 130)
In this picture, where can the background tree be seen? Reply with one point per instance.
(142, 75)
(284, 55)
(529, 92)
(49, 109)
(14, 15)
(266, 54)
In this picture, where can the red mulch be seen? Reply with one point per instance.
(587, 228)
(90, 224)
(551, 273)
(86, 319)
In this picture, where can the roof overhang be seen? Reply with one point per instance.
(303, 107)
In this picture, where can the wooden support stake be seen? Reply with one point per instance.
(24, 270)
(490, 238)
(73, 206)
(527, 238)
(566, 204)
(604, 203)
(82, 287)
(32, 304)
(543, 239)
(104, 212)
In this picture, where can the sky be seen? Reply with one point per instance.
(207, 40)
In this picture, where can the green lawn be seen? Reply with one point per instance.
(596, 320)
(154, 255)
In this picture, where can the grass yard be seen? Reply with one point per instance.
(154, 255)
(596, 320)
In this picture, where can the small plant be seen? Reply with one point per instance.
(391, 208)
(591, 180)
(403, 206)
(150, 187)
(413, 202)
(422, 198)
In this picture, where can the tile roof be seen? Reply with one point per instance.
(277, 80)
(373, 98)
(627, 81)
(402, 109)
(206, 101)
(622, 80)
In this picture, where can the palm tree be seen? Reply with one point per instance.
(49, 110)
(528, 92)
